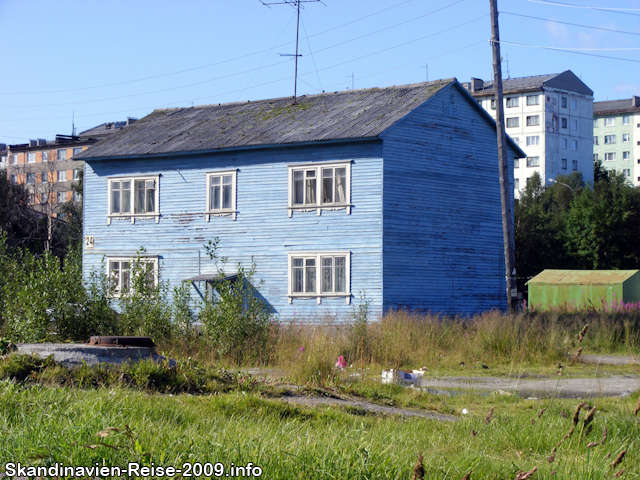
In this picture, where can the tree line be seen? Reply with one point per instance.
(573, 225)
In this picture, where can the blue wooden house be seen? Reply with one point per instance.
(392, 192)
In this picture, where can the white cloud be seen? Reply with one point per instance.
(627, 88)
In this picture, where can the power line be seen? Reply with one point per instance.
(250, 70)
(203, 66)
(182, 102)
(573, 24)
(622, 11)
(570, 51)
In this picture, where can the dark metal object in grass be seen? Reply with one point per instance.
(121, 341)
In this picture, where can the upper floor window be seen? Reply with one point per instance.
(574, 144)
(609, 156)
(44, 177)
(516, 163)
(62, 154)
(62, 175)
(564, 143)
(76, 174)
(563, 102)
(533, 99)
(609, 139)
(31, 178)
(609, 122)
(319, 274)
(493, 103)
(45, 156)
(512, 102)
(13, 179)
(320, 186)
(595, 123)
(533, 140)
(516, 184)
(31, 157)
(132, 197)
(3, 158)
(513, 122)
(13, 159)
(563, 122)
(595, 140)
(626, 155)
(625, 120)
(574, 104)
(625, 138)
(574, 164)
(221, 193)
(564, 163)
(533, 120)
(77, 151)
(62, 197)
(574, 124)
(533, 161)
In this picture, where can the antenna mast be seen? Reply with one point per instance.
(295, 4)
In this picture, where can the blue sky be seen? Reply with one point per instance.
(105, 60)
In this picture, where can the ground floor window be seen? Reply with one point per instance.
(319, 274)
(121, 269)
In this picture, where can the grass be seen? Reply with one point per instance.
(48, 425)
(201, 412)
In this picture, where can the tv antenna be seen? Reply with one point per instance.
(298, 5)
(352, 77)
(426, 67)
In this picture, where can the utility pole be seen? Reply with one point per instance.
(505, 197)
(296, 4)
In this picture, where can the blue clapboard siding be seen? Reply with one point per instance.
(443, 246)
(262, 229)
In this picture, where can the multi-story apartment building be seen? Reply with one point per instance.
(550, 117)
(616, 136)
(48, 168)
(3, 156)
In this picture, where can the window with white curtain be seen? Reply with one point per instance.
(319, 274)
(319, 186)
(221, 193)
(132, 197)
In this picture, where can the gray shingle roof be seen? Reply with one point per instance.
(566, 80)
(349, 114)
(617, 106)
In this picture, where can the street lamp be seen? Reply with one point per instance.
(552, 180)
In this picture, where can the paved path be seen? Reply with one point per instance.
(563, 387)
(369, 407)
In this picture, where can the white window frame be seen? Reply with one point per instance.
(564, 143)
(152, 259)
(318, 294)
(609, 139)
(533, 161)
(595, 140)
(595, 123)
(626, 172)
(516, 184)
(319, 206)
(533, 100)
(61, 176)
(45, 156)
(626, 155)
(564, 102)
(513, 122)
(76, 151)
(574, 145)
(574, 124)
(13, 159)
(31, 157)
(516, 163)
(76, 174)
(574, 104)
(222, 211)
(32, 177)
(611, 156)
(609, 121)
(62, 195)
(62, 154)
(533, 140)
(625, 138)
(533, 120)
(513, 102)
(626, 120)
(131, 215)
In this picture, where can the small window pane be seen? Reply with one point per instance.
(341, 185)
(310, 275)
(310, 187)
(327, 274)
(226, 191)
(139, 196)
(150, 196)
(327, 185)
(298, 187)
(126, 197)
(115, 197)
(340, 275)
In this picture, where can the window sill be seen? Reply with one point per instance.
(132, 217)
(320, 296)
(220, 213)
(318, 208)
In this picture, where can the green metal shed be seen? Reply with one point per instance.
(583, 288)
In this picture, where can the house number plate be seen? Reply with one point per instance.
(88, 241)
